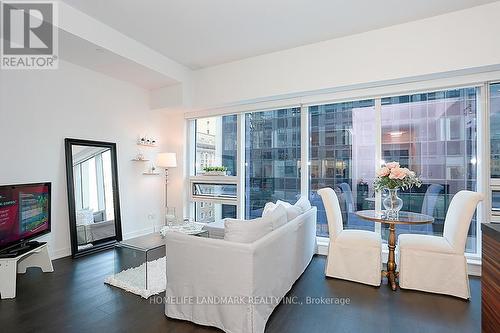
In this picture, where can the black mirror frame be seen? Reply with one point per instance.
(106, 243)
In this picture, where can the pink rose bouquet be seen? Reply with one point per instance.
(393, 176)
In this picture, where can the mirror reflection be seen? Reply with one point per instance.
(93, 188)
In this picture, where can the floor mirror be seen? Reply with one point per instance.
(93, 197)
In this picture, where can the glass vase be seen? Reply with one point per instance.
(170, 216)
(392, 203)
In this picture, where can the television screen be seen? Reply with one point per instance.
(24, 212)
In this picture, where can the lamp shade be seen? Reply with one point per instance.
(166, 160)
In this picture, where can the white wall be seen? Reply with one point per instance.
(38, 109)
(455, 41)
(175, 135)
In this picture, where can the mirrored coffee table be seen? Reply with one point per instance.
(140, 261)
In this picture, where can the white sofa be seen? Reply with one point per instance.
(215, 229)
(253, 276)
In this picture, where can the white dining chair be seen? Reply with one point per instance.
(437, 264)
(353, 255)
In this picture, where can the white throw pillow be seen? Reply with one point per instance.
(291, 211)
(84, 217)
(246, 231)
(276, 213)
(268, 208)
(303, 203)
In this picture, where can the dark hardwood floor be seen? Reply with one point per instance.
(75, 299)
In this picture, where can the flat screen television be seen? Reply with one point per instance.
(24, 213)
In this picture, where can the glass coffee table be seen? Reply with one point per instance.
(140, 261)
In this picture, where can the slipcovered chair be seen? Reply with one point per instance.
(353, 255)
(437, 264)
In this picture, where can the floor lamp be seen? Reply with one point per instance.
(166, 161)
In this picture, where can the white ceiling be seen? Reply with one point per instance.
(202, 33)
(86, 54)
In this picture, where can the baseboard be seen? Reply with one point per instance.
(322, 248)
(66, 252)
(138, 233)
(60, 253)
(473, 265)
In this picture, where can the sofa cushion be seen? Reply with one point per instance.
(99, 216)
(247, 231)
(303, 203)
(291, 211)
(215, 229)
(268, 208)
(277, 215)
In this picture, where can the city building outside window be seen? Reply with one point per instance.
(342, 156)
(272, 158)
(433, 134)
(215, 145)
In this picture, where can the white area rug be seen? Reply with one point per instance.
(133, 279)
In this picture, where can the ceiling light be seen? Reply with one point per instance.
(396, 134)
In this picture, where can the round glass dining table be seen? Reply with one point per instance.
(402, 217)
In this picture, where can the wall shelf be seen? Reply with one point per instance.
(138, 160)
(151, 173)
(147, 144)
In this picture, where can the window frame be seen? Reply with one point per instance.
(494, 183)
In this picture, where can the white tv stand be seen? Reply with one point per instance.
(9, 267)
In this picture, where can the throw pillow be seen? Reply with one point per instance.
(276, 213)
(268, 208)
(291, 211)
(303, 203)
(242, 231)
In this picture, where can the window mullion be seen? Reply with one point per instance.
(378, 154)
(240, 165)
(190, 169)
(483, 161)
(304, 151)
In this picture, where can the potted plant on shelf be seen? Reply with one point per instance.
(392, 177)
(215, 171)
